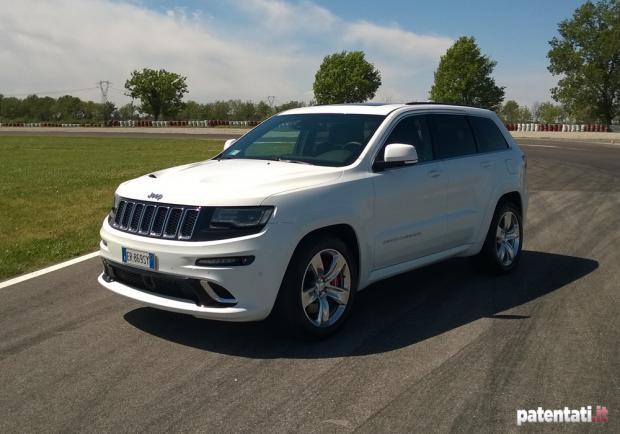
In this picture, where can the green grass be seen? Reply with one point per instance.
(56, 191)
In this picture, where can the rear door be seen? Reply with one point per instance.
(494, 156)
(468, 176)
(410, 200)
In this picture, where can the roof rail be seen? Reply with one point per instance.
(439, 103)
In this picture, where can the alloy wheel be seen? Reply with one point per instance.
(507, 238)
(326, 287)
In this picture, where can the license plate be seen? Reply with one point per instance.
(138, 258)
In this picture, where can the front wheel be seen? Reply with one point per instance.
(502, 248)
(318, 288)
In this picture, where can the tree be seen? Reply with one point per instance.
(160, 92)
(509, 111)
(263, 111)
(346, 77)
(218, 110)
(107, 110)
(191, 111)
(68, 107)
(512, 112)
(289, 105)
(548, 113)
(524, 114)
(587, 56)
(127, 112)
(464, 77)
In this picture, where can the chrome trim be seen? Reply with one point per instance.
(183, 217)
(211, 293)
(155, 234)
(133, 214)
(118, 217)
(152, 218)
(133, 207)
(176, 229)
(143, 219)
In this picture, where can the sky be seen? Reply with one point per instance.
(252, 49)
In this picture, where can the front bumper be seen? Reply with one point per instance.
(254, 287)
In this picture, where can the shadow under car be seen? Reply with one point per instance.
(388, 315)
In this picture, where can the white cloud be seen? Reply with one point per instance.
(281, 17)
(398, 42)
(65, 44)
(69, 44)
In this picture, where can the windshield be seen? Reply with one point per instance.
(326, 139)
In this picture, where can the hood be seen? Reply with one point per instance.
(235, 182)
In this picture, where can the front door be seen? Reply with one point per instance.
(410, 201)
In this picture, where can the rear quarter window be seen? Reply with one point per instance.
(488, 136)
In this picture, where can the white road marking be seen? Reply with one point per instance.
(38, 273)
(541, 146)
(568, 148)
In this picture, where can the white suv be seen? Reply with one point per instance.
(314, 204)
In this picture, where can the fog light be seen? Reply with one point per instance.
(230, 261)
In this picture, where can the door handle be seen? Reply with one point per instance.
(434, 173)
(486, 164)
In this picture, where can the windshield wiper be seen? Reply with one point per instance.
(288, 160)
(282, 159)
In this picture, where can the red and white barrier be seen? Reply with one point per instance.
(565, 128)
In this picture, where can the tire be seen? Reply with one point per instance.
(501, 251)
(308, 306)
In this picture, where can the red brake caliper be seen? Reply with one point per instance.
(337, 282)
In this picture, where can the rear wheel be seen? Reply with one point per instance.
(318, 288)
(502, 248)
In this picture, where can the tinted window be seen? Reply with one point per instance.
(329, 139)
(488, 136)
(413, 131)
(452, 136)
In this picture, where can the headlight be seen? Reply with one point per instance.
(240, 218)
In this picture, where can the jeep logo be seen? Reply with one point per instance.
(155, 196)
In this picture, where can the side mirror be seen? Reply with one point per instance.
(228, 143)
(397, 154)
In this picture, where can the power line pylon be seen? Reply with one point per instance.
(104, 87)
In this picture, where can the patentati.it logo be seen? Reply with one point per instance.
(563, 415)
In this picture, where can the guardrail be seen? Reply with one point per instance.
(565, 128)
(210, 123)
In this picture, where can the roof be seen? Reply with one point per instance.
(378, 108)
(362, 109)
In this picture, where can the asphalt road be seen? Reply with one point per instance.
(438, 349)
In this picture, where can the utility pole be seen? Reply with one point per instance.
(104, 87)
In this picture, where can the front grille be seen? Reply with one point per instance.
(172, 224)
(189, 221)
(159, 220)
(127, 215)
(147, 219)
(135, 219)
(153, 220)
